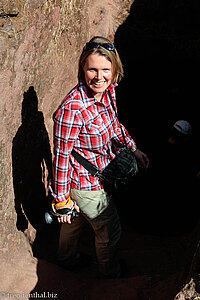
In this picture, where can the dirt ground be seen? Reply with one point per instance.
(154, 268)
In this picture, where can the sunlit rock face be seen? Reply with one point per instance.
(40, 42)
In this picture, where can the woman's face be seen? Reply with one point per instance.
(98, 74)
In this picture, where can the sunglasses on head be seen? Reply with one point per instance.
(94, 45)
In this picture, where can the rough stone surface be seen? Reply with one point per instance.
(40, 42)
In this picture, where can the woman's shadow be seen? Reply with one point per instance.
(32, 170)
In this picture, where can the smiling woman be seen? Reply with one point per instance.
(103, 47)
(98, 74)
(86, 122)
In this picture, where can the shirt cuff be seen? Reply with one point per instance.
(134, 149)
(60, 198)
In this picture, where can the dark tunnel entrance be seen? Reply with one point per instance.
(159, 48)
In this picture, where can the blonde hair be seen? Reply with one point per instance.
(111, 55)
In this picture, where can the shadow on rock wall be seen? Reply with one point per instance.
(31, 155)
(159, 47)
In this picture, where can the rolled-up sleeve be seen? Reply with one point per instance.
(67, 125)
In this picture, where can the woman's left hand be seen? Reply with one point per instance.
(142, 159)
(67, 218)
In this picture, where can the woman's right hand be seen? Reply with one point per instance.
(67, 218)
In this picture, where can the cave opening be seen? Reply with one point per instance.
(158, 45)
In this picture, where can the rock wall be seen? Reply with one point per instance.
(40, 42)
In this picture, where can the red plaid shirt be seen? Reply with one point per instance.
(92, 129)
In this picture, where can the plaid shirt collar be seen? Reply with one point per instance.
(88, 101)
